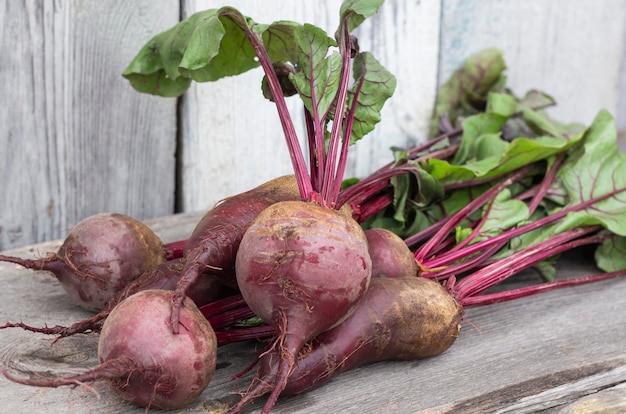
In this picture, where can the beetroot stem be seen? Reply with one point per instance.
(447, 259)
(345, 143)
(295, 151)
(174, 250)
(545, 183)
(222, 305)
(244, 334)
(496, 272)
(336, 130)
(491, 298)
(316, 160)
(427, 248)
(227, 318)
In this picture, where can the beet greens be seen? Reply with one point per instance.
(516, 191)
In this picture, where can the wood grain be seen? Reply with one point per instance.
(553, 351)
(75, 138)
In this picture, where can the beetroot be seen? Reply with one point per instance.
(302, 268)
(390, 255)
(398, 319)
(142, 360)
(99, 257)
(212, 246)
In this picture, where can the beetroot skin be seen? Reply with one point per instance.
(99, 257)
(391, 257)
(213, 244)
(140, 357)
(303, 269)
(402, 318)
(177, 367)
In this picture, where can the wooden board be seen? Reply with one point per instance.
(75, 138)
(562, 351)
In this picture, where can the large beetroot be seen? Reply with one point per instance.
(212, 246)
(302, 265)
(402, 318)
(303, 269)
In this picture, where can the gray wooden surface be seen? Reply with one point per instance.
(560, 352)
(75, 139)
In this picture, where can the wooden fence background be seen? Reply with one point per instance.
(76, 139)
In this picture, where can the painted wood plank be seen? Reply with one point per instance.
(569, 49)
(75, 138)
(545, 352)
(231, 137)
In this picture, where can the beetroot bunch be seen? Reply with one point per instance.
(336, 274)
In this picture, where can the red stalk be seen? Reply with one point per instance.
(491, 298)
(230, 317)
(174, 250)
(336, 130)
(450, 223)
(295, 151)
(244, 334)
(447, 259)
(496, 272)
(545, 184)
(219, 306)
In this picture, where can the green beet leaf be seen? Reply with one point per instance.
(373, 85)
(465, 93)
(611, 255)
(318, 79)
(206, 46)
(354, 12)
(597, 170)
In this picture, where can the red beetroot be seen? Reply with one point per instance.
(390, 255)
(212, 247)
(142, 360)
(99, 257)
(303, 269)
(399, 318)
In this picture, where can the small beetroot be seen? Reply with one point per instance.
(140, 357)
(99, 257)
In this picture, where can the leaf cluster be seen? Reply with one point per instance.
(574, 177)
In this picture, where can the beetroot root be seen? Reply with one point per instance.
(99, 257)
(390, 255)
(142, 360)
(302, 268)
(398, 319)
(213, 245)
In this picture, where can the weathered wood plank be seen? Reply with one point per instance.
(569, 49)
(232, 139)
(621, 107)
(549, 350)
(75, 138)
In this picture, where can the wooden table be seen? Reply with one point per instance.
(562, 351)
